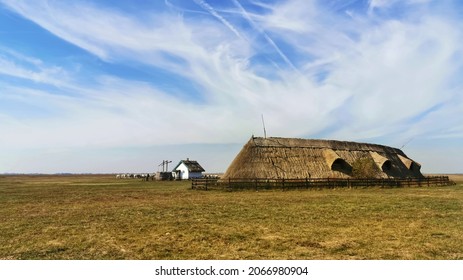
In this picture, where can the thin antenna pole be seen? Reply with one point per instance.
(409, 140)
(263, 124)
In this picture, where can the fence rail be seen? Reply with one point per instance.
(315, 183)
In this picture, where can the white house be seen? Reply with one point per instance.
(188, 169)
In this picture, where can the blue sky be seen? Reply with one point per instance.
(119, 86)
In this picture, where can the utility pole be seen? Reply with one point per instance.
(165, 165)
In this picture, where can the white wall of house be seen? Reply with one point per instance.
(183, 173)
(183, 170)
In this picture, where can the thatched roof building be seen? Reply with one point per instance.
(290, 158)
(188, 169)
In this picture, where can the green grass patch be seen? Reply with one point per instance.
(100, 217)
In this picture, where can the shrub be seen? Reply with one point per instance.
(365, 168)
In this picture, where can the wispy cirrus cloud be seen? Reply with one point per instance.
(267, 38)
(383, 4)
(348, 72)
(215, 14)
(17, 65)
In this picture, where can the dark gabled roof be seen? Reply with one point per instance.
(192, 165)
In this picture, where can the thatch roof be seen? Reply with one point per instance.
(291, 158)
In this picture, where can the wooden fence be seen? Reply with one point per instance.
(315, 183)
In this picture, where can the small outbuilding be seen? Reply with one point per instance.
(188, 169)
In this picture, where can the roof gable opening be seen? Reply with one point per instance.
(410, 164)
(387, 166)
(341, 165)
(336, 163)
(383, 163)
(415, 167)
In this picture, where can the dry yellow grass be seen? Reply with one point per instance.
(456, 177)
(99, 217)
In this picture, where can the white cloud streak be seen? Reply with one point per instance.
(40, 74)
(362, 77)
(267, 38)
(384, 4)
(214, 13)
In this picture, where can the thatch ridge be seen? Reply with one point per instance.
(321, 144)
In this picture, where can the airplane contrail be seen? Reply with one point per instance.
(267, 38)
(203, 4)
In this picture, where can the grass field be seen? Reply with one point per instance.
(100, 217)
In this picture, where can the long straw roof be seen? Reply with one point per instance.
(290, 158)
